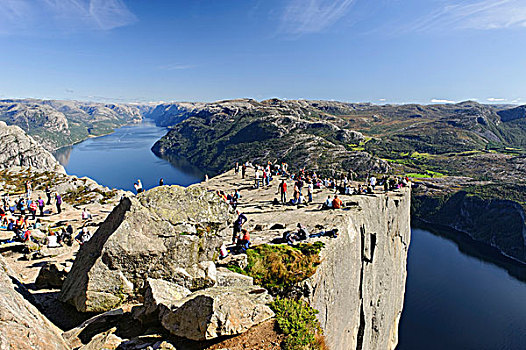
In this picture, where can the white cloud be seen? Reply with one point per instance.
(493, 99)
(176, 66)
(475, 14)
(18, 16)
(436, 100)
(382, 99)
(312, 16)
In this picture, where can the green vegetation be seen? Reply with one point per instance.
(278, 267)
(297, 320)
(83, 195)
(511, 192)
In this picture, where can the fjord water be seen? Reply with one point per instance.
(453, 299)
(456, 300)
(121, 158)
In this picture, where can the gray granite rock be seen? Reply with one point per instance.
(148, 237)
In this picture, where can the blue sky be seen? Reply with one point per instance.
(349, 50)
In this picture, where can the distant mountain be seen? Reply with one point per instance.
(325, 134)
(55, 124)
(215, 135)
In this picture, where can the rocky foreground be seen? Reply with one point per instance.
(151, 278)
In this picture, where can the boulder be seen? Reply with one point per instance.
(22, 326)
(159, 297)
(218, 311)
(239, 260)
(51, 275)
(164, 233)
(106, 341)
(227, 278)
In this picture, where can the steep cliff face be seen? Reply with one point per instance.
(359, 287)
(19, 149)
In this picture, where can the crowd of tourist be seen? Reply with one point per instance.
(297, 189)
(24, 215)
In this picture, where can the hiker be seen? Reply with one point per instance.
(139, 186)
(310, 189)
(52, 240)
(243, 170)
(33, 209)
(238, 225)
(236, 169)
(223, 252)
(327, 204)
(85, 215)
(48, 194)
(58, 202)
(282, 189)
(206, 177)
(83, 236)
(29, 188)
(136, 186)
(337, 202)
(302, 232)
(161, 181)
(41, 205)
(372, 182)
(331, 233)
(243, 242)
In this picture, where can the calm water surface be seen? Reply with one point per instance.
(119, 159)
(454, 298)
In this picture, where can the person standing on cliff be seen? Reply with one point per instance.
(238, 225)
(58, 201)
(282, 189)
(236, 169)
(243, 170)
(48, 194)
(161, 181)
(41, 205)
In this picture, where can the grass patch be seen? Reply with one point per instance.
(278, 267)
(427, 174)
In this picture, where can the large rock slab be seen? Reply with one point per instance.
(22, 326)
(154, 235)
(218, 311)
(19, 149)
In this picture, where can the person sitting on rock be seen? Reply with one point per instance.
(52, 240)
(302, 232)
(327, 204)
(85, 214)
(244, 242)
(337, 202)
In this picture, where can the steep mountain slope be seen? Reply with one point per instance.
(59, 123)
(219, 134)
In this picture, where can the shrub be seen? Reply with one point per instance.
(297, 320)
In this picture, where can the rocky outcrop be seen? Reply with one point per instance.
(22, 326)
(19, 149)
(359, 286)
(168, 233)
(218, 311)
